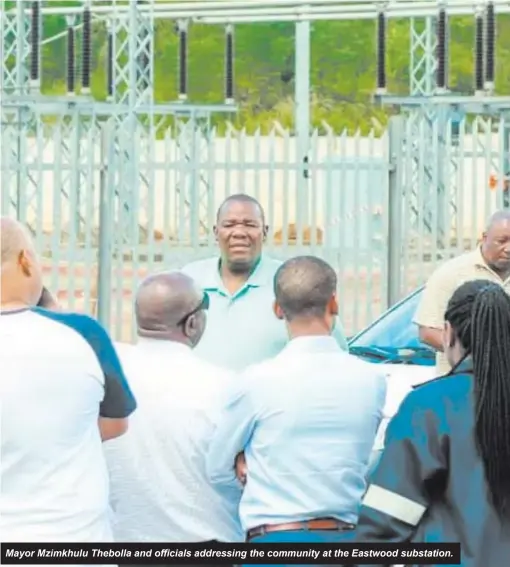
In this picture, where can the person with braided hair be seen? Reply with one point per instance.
(445, 473)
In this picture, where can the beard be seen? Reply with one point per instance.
(241, 267)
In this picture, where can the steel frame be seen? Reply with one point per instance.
(88, 106)
(133, 106)
(422, 83)
(236, 11)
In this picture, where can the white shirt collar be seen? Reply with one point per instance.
(313, 343)
(162, 345)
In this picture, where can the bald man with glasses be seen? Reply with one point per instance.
(159, 486)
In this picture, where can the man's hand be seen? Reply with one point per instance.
(432, 337)
(112, 428)
(241, 469)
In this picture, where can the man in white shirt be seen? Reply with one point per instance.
(160, 491)
(306, 421)
(62, 391)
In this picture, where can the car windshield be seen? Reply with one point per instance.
(394, 336)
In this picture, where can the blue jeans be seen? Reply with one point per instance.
(304, 536)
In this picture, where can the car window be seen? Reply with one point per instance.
(394, 329)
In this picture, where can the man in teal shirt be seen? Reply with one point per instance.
(242, 328)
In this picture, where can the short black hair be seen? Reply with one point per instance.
(303, 286)
(241, 198)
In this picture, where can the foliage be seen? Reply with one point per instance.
(342, 77)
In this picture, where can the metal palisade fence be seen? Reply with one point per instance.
(110, 200)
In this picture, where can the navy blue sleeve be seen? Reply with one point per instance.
(118, 401)
(413, 462)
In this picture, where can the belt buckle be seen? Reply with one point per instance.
(256, 532)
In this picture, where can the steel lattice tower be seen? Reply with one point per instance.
(431, 124)
(131, 108)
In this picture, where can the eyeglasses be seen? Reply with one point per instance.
(202, 306)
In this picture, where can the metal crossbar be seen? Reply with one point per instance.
(222, 11)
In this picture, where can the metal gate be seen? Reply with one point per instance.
(111, 198)
(446, 178)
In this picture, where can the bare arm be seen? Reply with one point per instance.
(432, 337)
(112, 428)
(430, 313)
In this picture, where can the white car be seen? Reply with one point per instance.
(392, 340)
